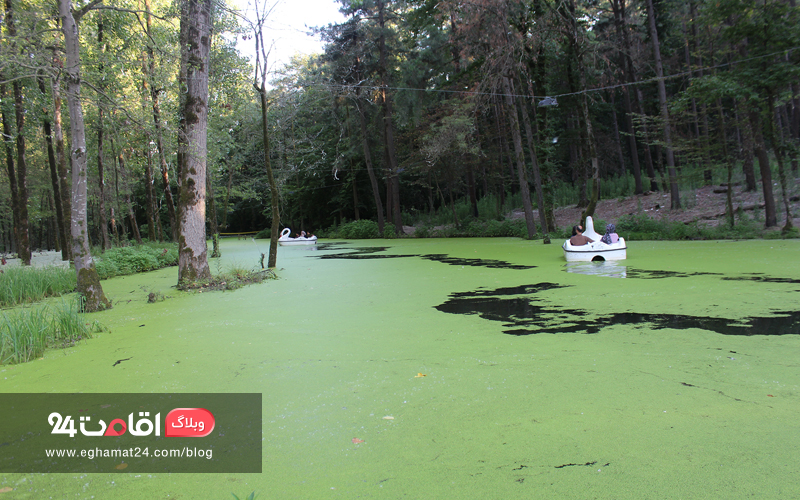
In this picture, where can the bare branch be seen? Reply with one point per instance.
(77, 15)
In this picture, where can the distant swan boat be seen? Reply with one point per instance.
(285, 240)
(597, 251)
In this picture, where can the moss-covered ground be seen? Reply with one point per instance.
(659, 405)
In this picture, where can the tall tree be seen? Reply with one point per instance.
(101, 199)
(393, 176)
(675, 198)
(19, 185)
(196, 25)
(61, 219)
(88, 280)
(260, 85)
(155, 93)
(61, 160)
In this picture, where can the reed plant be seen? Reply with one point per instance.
(20, 285)
(25, 334)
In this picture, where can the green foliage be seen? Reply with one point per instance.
(122, 261)
(357, 230)
(25, 334)
(31, 284)
(477, 229)
(389, 232)
(642, 227)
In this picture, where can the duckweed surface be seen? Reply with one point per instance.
(474, 368)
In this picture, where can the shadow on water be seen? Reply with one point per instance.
(492, 264)
(522, 313)
(762, 279)
(370, 253)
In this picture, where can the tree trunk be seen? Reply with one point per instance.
(386, 100)
(589, 210)
(10, 166)
(227, 198)
(617, 140)
(620, 24)
(747, 149)
(61, 159)
(537, 178)
(117, 224)
(728, 162)
(154, 98)
(61, 226)
(101, 202)
(770, 215)
(22, 228)
(23, 244)
(777, 144)
(150, 195)
(376, 193)
(273, 188)
(88, 281)
(212, 215)
(131, 215)
(511, 110)
(675, 197)
(192, 248)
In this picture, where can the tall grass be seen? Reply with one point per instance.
(19, 285)
(25, 334)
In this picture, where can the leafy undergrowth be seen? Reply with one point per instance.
(232, 280)
(121, 261)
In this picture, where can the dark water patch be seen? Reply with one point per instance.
(763, 279)
(490, 263)
(511, 290)
(359, 256)
(334, 245)
(370, 253)
(526, 315)
(587, 464)
(360, 253)
(659, 274)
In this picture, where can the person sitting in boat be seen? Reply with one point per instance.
(302, 234)
(575, 229)
(611, 236)
(579, 239)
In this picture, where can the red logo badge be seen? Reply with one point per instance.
(189, 422)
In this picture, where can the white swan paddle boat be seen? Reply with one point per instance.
(286, 240)
(596, 251)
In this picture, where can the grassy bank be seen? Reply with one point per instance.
(26, 333)
(21, 285)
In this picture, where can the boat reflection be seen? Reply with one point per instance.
(608, 268)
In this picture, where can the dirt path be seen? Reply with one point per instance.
(706, 205)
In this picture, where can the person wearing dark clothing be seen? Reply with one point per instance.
(611, 236)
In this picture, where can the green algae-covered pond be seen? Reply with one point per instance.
(472, 368)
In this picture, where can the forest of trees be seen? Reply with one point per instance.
(413, 107)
